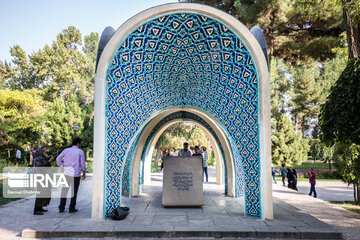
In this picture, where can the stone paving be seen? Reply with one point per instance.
(329, 190)
(296, 216)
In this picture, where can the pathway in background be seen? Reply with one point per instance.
(329, 190)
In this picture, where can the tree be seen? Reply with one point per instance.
(21, 115)
(18, 75)
(198, 137)
(351, 16)
(56, 128)
(340, 118)
(347, 161)
(295, 30)
(305, 94)
(287, 145)
(280, 86)
(68, 69)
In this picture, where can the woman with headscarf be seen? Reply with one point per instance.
(295, 179)
(42, 165)
(290, 178)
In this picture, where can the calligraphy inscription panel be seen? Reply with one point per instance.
(182, 182)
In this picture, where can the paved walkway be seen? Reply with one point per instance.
(329, 190)
(296, 216)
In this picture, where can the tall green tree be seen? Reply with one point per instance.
(21, 115)
(57, 132)
(306, 94)
(295, 30)
(340, 118)
(68, 69)
(347, 161)
(288, 147)
(18, 74)
(351, 16)
(280, 87)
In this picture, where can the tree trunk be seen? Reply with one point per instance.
(329, 161)
(268, 38)
(355, 194)
(352, 32)
(296, 123)
(8, 152)
(303, 127)
(88, 151)
(358, 193)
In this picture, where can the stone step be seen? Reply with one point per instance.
(186, 232)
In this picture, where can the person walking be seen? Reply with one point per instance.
(18, 157)
(205, 164)
(312, 180)
(283, 173)
(273, 173)
(186, 152)
(42, 165)
(73, 164)
(290, 178)
(295, 179)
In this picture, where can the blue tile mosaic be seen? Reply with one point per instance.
(182, 60)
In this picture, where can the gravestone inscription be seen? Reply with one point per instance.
(182, 182)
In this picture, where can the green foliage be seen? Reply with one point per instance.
(295, 30)
(57, 131)
(287, 145)
(347, 161)
(21, 114)
(280, 85)
(305, 94)
(198, 137)
(340, 118)
(211, 160)
(61, 93)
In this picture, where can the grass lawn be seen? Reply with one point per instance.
(309, 164)
(2, 199)
(349, 205)
(278, 178)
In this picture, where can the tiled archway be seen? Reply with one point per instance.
(183, 55)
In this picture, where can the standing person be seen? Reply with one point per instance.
(283, 173)
(205, 163)
(290, 178)
(165, 154)
(312, 180)
(186, 151)
(42, 165)
(273, 173)
(73, 164)
(18, 156)
(200, 149)
(295, 179)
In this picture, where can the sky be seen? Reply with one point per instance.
(33, 23)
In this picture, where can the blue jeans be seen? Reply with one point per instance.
(274, 178)
(312, 189)
(206, 173)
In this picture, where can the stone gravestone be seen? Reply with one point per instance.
(182, 182)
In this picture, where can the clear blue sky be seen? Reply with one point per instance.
(33, 23)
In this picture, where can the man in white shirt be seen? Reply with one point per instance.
(186, 151)
(18, 156)
(205, 163)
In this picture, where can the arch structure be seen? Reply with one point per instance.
(191, 58)
(130, 174)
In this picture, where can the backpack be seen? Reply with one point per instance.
(120, 213)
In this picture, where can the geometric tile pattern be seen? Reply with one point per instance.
(183, 60)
